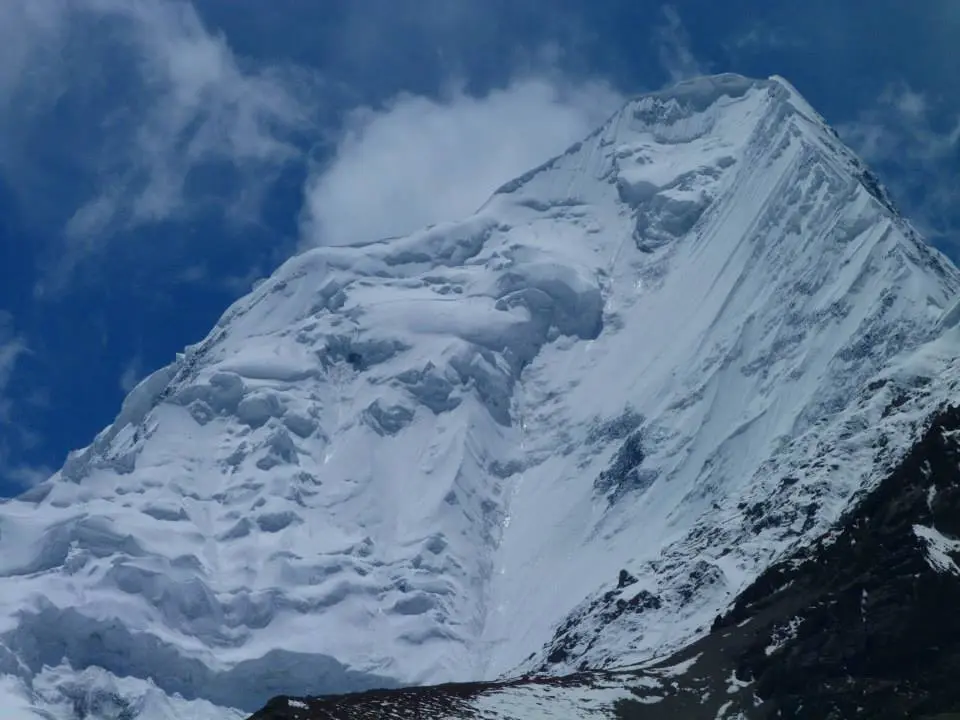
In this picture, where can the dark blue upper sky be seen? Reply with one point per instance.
(157, 156)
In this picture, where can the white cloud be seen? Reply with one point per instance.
(760, 36)
(912, 105)
(12, 347)
(903, 135)
(131, 375)
(22, 475)
(675, 49)
(420, 161)
(155, 93)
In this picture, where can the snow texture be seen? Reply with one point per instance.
(940, 549)
(565, 431)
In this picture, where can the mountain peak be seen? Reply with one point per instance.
(564, 432)
(699, 93)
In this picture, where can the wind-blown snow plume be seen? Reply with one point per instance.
(421, 161)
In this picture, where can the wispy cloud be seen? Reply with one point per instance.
(759, 37)
(21, 475)
(12, 349)
(675, 48)
(152, 95)
(419, 161)
(916, 146)
(131, 375)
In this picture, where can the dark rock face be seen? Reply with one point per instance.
(625, 473)
(865, 623)
(443, 701)
(451, 700)
(608, 607)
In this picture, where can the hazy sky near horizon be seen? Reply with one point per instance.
(158, 156)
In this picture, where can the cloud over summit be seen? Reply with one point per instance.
(418, 161)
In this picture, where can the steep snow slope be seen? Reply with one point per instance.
(860, 625)
(566, 430)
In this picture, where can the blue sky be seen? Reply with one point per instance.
(158, 156)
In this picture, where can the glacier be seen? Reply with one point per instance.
(563, 433)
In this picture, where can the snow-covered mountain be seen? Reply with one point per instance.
(860, 625)
(564, 433)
